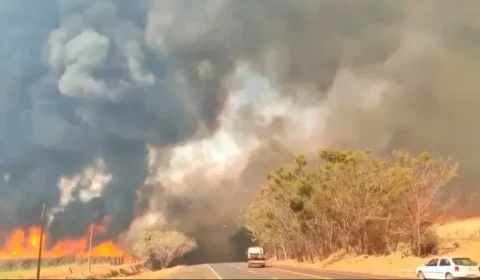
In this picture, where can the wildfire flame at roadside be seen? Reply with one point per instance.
(24, 244)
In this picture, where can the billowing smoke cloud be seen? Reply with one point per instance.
(181, 106)
(80, 82)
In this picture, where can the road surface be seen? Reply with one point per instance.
(241, 271)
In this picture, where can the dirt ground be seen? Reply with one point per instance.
(458, 238)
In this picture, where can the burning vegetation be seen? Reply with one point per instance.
(21, 246)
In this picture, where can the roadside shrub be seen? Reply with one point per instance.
(429, 243)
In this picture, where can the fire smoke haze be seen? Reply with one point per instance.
(169, 113)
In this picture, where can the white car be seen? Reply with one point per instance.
(448, 268)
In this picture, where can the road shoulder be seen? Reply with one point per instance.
(337, 274)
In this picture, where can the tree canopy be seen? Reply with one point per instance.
(351, 200)
(162, 247)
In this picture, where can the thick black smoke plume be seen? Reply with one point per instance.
(80, 81)
(86, 81)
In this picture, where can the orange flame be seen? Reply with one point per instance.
(24, 244)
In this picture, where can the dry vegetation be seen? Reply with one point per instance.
(48, 264)
(159, 248)
(155, 249)
(354, 203)
(98, 271)
(459, 238)
(159, 274)
(107, 272)
(75, 271)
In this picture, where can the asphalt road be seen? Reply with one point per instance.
(241, 271)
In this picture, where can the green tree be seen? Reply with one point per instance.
(352, 200)
(162, 247)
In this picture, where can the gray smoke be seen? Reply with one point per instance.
(79, 82)
(82, 80)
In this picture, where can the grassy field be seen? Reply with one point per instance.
(73, 271)
(45, 271)
(458, 238)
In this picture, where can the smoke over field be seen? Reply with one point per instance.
(169, 113)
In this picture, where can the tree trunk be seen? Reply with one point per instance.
(275, 250)
(418, 237)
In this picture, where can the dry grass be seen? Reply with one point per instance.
(107, 272)
(49, 271)
(77, 271)
(458, 238)
(159, 274)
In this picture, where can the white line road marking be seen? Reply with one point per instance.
(237, 267)
(275, 278)
(214, 272)
(251, 271)
(301, 274)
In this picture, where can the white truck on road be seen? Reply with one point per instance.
(256, 256)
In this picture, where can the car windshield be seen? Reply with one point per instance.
(464, 261)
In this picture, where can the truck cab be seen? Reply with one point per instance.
(256, 256)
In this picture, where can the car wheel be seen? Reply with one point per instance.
(420, 275)
(448, 276)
